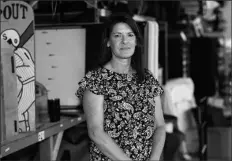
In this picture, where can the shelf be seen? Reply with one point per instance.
(24, 140)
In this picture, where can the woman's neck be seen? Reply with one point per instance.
(120, 66)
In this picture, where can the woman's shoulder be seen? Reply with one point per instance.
(150, 76)
(148, 73)
(92, 81)
(153, 83)
(95, 73)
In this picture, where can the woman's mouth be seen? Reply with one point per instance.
(125, 48)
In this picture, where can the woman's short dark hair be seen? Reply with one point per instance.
(106, 54)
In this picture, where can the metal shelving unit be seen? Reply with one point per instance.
(49, 137)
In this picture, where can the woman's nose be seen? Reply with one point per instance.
(124, 39)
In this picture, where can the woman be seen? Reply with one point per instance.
(121, 100)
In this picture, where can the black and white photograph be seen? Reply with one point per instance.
(115, 80)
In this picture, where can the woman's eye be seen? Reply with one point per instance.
(117, 35)
(131, 35)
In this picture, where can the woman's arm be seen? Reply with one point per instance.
(93, 108)
(160, 133)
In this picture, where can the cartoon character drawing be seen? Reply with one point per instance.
(25, 73)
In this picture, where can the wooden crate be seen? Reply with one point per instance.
(17, 51)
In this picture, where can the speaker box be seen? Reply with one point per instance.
(203, 65)
(174, 57)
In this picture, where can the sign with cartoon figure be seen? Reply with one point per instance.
(17, 34)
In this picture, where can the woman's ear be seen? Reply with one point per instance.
(108, 44)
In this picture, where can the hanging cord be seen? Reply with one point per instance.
(54, 8)
(90, 4)
(140, 9)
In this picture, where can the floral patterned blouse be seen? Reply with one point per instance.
(128, 114)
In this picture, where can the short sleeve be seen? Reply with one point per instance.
(93, 82)
(154, 86)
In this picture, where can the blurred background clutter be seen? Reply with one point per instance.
(194, 68)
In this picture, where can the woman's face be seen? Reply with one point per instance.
(122, 41)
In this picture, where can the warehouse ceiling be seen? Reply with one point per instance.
(57, 11)
(84, 11)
